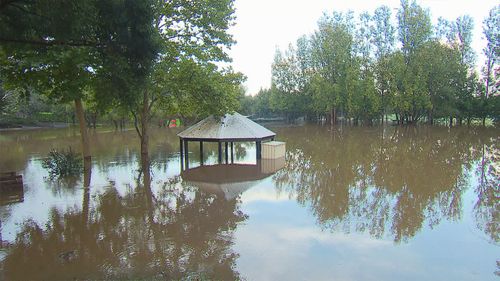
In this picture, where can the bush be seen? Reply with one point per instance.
(62, 164)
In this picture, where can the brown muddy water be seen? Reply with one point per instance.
(355, 203)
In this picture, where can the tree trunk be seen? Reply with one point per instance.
(484, 121)
(451, 121)
(83, 129)
(145, 112)
(94, 120)
(332, 117)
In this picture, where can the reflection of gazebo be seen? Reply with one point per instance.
(227, 129)
(230, 179)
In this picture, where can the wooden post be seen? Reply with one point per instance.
(201, 153)
(186, 153)
(258, 148)
(220, 153)
(232, 152)
(181, 148)
(226, 152)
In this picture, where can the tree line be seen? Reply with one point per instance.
(367, 68)
(127, 59)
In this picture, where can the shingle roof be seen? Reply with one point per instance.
(229, 127)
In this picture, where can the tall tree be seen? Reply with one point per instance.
(189, 31)
(383, 34)
(365, 100)
(414, 30)
(491, 31)
(458, 34)
(414, 27)
(63, 48)
(332, 54)
(289, 80)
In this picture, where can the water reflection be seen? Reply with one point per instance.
(176, 232)
(487, 207)
(11, 188)
(230, 180)
(358, 190)
(392, 181)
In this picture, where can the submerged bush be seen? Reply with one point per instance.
(63, 163)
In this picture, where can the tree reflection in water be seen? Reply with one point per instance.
(391, 181)
(487, 207)
(174, 233)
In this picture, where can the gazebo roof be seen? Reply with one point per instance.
(229, 127)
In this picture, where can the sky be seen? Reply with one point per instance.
(262, 26)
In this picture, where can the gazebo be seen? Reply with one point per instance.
(225, 130)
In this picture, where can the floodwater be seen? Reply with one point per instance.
(353, 203)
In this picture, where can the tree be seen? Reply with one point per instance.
(289, 82)
(192, 35)
(62, 49)
(332, 46)
(262, 100)
(365, 99)
(383, 40)
(414, 27)
(445, 77)
(382, 32)
(491, 31)
(414, 30)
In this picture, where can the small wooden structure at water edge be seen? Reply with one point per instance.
(226, 130)
(11, 188)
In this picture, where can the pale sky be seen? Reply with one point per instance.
(262, 26)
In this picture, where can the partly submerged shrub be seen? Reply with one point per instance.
(63, 163)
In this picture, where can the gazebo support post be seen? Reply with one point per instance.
(220, 152)
(226, 152)
(181, 148)
(258, 146)
(201, 153)
(186, 153)
(232, 152)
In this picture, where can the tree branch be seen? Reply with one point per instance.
(5, 3)
(50, 43)
(136, 125)
(28, 12)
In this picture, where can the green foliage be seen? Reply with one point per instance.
(193, 89)
(288, 93)
(415, 27)
(491, 31)
(61, 164)
(351, 68)
(65, 50)
(6, 100)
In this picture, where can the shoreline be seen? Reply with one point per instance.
(51, 125)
